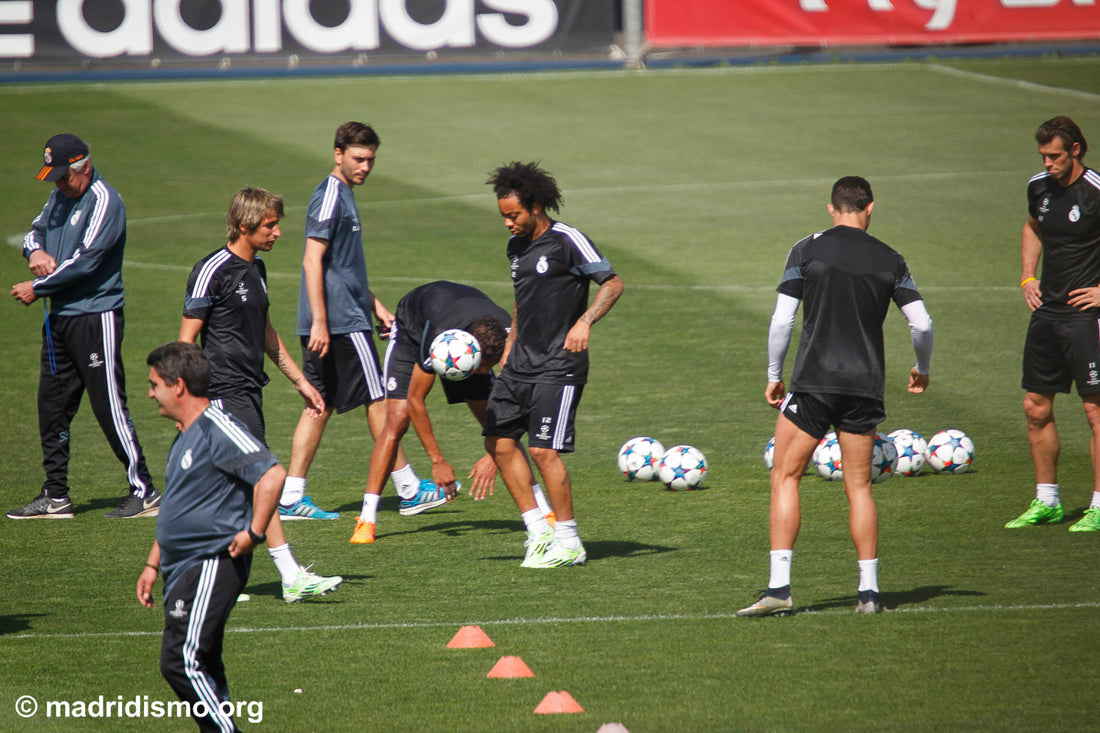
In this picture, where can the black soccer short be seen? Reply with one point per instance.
(815, 414)
(248, 407)
(349, 375)
(402, 357)
(1058, 353)
(545, 412)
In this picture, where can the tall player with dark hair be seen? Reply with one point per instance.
(226, 307)
(335, 310)
(1062, 345)
(545, 363)
(422, 314)
(847, 279)
(74, 250)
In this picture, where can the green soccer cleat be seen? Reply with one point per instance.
(536, 547)
(1037, 513)
(1088, 523)
(558, 555)
(309, 585)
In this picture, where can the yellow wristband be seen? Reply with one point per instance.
(1025, 281)
(151, 565)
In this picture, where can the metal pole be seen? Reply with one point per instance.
(633, 34)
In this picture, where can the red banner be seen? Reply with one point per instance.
(672, 23)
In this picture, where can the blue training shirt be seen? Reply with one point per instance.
(333, 217)
(212, 467)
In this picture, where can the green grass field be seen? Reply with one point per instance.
(694, 183)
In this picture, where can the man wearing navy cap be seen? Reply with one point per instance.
(74, 250)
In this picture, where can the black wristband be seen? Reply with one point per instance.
(257, 539)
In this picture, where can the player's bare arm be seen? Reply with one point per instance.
(384, 316)
(420, 384)
(313, 272)
(276, 350)
(1031, 247)
(577, 338)
(265, 498)
(148, 577)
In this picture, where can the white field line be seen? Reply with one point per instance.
(1028, 86)
(564, 620)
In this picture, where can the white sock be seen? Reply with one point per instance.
(284, 562)
(1048, 494)
(780, 568)
(406, 481)
(868, 575)
(535, 522)
(1095, 500)
(540, 499)
(294, 488)
(565, 532)
(369, 512)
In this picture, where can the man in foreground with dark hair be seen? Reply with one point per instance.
(221, 490)
(847, 279)
(545, 363)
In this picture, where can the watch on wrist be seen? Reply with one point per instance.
(257, 539)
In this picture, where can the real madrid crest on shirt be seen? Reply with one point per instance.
(542, 265)
(185, 462)
(1075, 213)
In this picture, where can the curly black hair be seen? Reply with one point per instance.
(529, 183)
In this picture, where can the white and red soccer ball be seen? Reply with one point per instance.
(828, 463)
(950, 451)
(682, 467)
(639, 458)
(455, 354)
(911, 446)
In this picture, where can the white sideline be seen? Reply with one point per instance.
(563, 620)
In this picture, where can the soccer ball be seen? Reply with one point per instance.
(455, 354)
(884, 458)
(950, 451)
(827, 458)
(911, 446)
(638, 458)
(769, 454)
(682, 467)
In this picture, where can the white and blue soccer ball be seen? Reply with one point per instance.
(827, 458)
(950, 451)
(911, 446)
(769, 454)
(455, 354)
(682, 467)
(639, 457)
(884, 458)
(829, 465)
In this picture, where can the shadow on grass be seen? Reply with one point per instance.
(17, 622)
(896, 599)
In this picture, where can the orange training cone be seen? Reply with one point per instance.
(558, 702)
(507, 667)
(470, 637)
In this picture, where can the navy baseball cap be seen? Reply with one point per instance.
(61, 151)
